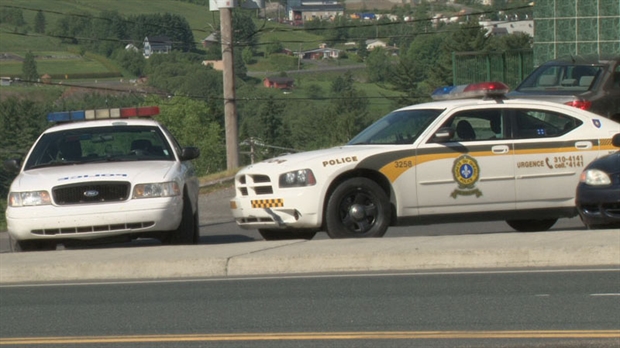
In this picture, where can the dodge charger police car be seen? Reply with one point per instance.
(456, 159)
(103, 175)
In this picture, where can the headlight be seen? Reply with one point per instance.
(22, 199)
(297, 178)
(163, 189)
(594, 177)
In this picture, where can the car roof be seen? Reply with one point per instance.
(595, 59)
(482, 102)
(102, 123)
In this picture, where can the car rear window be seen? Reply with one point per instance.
(561, 79)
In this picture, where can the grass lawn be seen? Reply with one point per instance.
(55, 66)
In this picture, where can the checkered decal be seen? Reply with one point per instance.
(268, 203)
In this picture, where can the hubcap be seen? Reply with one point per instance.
(356, 211)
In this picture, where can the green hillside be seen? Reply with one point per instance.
(55, 57)
(199, 17)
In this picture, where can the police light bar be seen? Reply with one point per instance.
(100, 114)
(473, 90)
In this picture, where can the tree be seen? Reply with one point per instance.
(245, 33)
(516, 41)
(378, 65)
(12, 16)
(247, 55)
(347, 114)
(467, 38)
(362, 51)
(191, 122)
(29, 68)
(130, 60)
(411, 74)
(314, 91)
(39, 22)
(241, 70)
(273, 47)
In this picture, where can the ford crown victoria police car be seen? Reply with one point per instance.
(105, 176)
(444, 161)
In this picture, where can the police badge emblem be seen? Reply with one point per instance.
(466, 173)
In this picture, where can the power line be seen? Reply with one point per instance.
(240, 42)
(198, 97)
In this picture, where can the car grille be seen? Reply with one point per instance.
(86, 193)
(93, 229)
(254, 185)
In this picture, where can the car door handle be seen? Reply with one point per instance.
(583, 145)
(500, 149)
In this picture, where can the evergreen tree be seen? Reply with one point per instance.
(378, 65)
(469, 37)
(39, 23)
(29, 68)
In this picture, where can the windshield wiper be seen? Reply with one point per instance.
(54, 164)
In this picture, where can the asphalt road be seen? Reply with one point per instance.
(533, 308)
(218, 227)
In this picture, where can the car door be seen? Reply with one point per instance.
(549, 157)
(473, 171)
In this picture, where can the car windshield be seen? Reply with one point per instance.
(398, 127)
(561, 79)
(99, 144)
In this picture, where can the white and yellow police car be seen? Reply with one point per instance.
(463, 158)
(103, 175)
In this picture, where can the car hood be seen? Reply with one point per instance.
(342, 156)
(609, 164)
(134, 172)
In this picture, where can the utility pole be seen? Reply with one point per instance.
(230, 106)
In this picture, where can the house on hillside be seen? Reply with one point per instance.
(301, 11)
(156, 44)
(372, 44)
(320, 53)
(278, 82)
(211, 40)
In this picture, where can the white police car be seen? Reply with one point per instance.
(100, 175)
(446, 161)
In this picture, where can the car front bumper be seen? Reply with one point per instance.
(91, 221)
(294, 208)
(598, 205)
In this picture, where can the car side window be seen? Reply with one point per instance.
(478, 125)
(542, 124)
(616, 78)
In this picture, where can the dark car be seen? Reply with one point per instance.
(598, 191)
(590, 82)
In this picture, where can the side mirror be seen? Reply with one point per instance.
(189, 153)
(443, 135)
(615, 141)
(12, 165)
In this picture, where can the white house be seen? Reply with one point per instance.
(372, 44)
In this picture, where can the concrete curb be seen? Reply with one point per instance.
(507, 250)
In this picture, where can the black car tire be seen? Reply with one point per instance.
(187, 232)
(286, 234)
(532, 225)
(17, 246)
(358, 208)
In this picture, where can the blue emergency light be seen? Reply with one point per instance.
(100, 114)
